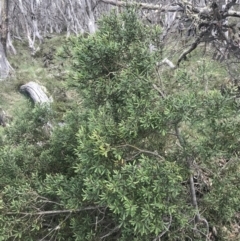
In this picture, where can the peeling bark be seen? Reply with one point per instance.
(5, 67)
(4, 24)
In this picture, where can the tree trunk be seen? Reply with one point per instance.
(4, 24)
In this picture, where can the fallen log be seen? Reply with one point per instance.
(36, 92)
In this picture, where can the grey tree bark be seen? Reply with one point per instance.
(35, 19)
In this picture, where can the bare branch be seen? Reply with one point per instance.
(167, 229)
(168, 62)
(193, 46)
(159, 91)
(143, 151)
(193, 196)
(54, 212)
(145, 6)
(56, 228)
(186, 52)
(232, 13)
(229, 5)
(111, 232)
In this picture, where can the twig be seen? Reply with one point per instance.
(159, 91)
(199, 231)
(143, 151)
(55, 212)
(167, 229)
(55, 229)
(111, 232)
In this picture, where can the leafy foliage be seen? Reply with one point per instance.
(118, 168)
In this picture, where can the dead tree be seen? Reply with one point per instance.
(4, 24)
(35, 19)
(208, 19)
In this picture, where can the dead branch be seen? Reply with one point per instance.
(229, 5)
(188, 51)
(232, 13)
(55, 212)
(159, 91)
(143, 151)
(56, 228)
(111, 232)
(168, 62)
(36, 92)
(159, 7)
(167, 229)
(193, 46)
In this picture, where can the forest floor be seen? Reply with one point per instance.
(45, 68)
